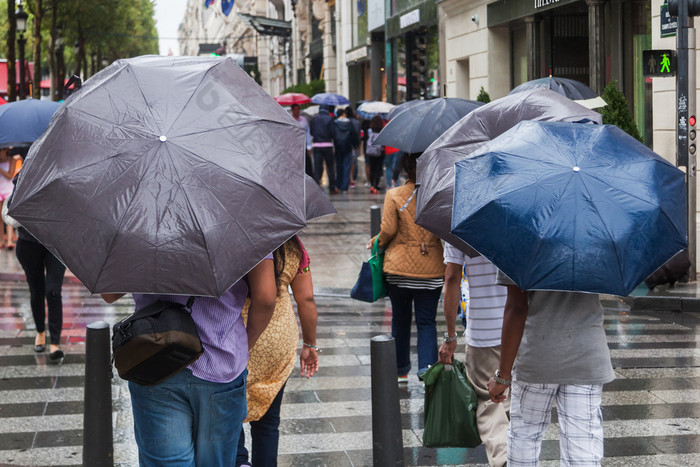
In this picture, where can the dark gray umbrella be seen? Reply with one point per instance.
(414, 129)
(165, 175)
(435, 168)
(570, 88)
(317, 203)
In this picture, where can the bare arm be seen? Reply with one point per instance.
(303, 290)
(453, 277)
(263, 292)
(111, 297)
(514, 317)
(11, 171)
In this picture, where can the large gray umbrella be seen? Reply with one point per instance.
(435, 168)
(165, 175)
(317, 203)
(416, 127)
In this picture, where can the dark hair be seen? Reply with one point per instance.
(409, 165)
(295, 105)
(376, 124)
(280, 258)
(340, 112)
(349, 112)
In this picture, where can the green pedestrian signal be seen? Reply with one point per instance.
(659, 63)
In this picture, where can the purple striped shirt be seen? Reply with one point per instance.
(221, 329)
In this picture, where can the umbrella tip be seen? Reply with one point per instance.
(163, 138)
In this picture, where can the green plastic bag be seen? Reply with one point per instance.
(450, 408)
(370, 285)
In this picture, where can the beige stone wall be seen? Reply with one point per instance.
(474, 56)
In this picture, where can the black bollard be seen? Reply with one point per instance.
(375, 216)
(387, 436)
(98, 449)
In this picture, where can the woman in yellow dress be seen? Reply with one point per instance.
(272, 358)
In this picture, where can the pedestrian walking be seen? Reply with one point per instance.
(389, 166)
(296, 114)
(8, 169)
(272, 358)
(374, 154)
(470, 287)
(44, 274)
(355, 149)
(195, 416)
(562, 356)
(414, 274)
(345, 138)
(322, 135)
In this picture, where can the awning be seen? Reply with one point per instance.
(268, 26)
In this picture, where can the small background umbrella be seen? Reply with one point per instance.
(2, 101)
(311, 111)
(572, 207)
(292, 98)
(165, 175)
(574, 90)
(328, 98)
(370, 109)
(435, 169)
(414, 129)
(22, 122)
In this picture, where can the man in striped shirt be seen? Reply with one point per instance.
(482, 301)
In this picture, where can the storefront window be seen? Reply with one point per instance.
(360, 34)
(400, 60)
(399, 6)
(433, 61)
(519, 48)
(637, 88)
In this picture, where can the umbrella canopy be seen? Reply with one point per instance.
(328, 98)
(401, 107)
(571, 207)
(371, 108)
(311, 111)
(165, 175)
(566, 87)
(414, 129)
(2, 101)
(22, 122)
(292, 98)
(435, 168)
(317, 203)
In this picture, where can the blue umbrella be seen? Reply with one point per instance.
(328, 98)
(22, 122)
(570, 88)
(570, 206)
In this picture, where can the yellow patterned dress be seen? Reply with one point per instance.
(272, 359)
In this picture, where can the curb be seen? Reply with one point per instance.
(664, 303)
(20, 277)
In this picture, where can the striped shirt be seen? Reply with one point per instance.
(221, 329)
(486, 299)
(414, 282)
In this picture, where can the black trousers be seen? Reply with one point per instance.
(45, 278)
(322, 155)
(376, 169)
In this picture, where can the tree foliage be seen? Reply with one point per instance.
(483, 96)
(617, 112)
(93, 33)
(314, 87)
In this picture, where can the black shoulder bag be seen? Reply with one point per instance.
(155, 342)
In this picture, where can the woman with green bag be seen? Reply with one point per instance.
(414, 273)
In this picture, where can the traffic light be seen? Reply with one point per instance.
(419, 67)
(691, 134)
(693, 7)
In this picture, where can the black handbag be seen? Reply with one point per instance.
(155, 342)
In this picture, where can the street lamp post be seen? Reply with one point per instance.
(21, 18)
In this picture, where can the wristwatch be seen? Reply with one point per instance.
(447, 338)
(497, 378)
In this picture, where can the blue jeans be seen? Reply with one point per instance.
(343, 163)
(425, 302)
(389, 167)
(266, 436)
(187, 421)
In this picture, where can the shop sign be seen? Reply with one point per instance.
(544, 3)
(357, 54)
(409, 18)
(669, 24)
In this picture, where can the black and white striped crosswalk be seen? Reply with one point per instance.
(651, 411)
